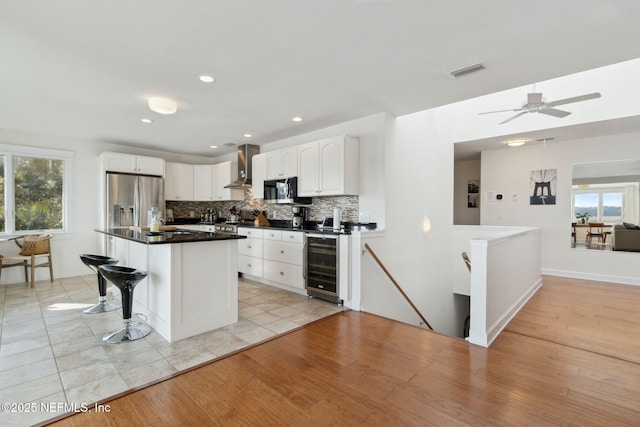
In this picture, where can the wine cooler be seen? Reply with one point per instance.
(321, 266)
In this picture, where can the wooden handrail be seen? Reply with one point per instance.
(375, 257)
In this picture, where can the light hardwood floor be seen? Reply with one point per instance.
(570, 357)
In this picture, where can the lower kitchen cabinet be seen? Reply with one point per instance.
(273, 255)
(281, 272)
(250, 252)
(250, 265)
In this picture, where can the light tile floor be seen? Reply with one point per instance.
(52, 355)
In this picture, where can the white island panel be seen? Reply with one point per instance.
(208, 297)
(191, 287)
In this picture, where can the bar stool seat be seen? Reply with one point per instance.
(103, 305)
(126, 279)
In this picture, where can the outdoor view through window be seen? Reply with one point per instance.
(31, 193)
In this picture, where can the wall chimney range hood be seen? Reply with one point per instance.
(245, 161)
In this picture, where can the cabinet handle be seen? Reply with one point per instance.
(281, 251)
(272, 235)
(248, 246)
(291, 237)
(249, 265)
(282, 273)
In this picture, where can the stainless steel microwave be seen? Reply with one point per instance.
(284, 191)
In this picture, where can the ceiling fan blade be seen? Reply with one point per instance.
(513, 117)
(554, 112)
(534, 98)
(501, 111)
(574, 99)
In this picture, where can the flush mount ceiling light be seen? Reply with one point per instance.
(207, 79)
(162, 105)
(297, 119)
(516, 142)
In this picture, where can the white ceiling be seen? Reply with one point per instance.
(83, 69)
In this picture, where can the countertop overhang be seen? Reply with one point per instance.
(168, 236)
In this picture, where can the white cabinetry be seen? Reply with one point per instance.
(282, 163)
(250, 252)
(118, 162)
(178, 183)
(329, 167)
(259, 175)
(274, 255)
(202, 182)
(223, 174)
(283, 253)
(209, 182)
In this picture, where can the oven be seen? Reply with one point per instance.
(321, 266)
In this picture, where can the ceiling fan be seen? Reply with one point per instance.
(535, 104)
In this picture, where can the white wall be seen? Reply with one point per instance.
(83, 220)
(370, 131)
(463, 172)
(419, 182)
(507, 171)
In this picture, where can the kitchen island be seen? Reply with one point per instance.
(192, 282)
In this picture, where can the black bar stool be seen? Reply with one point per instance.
(103, 305)
(125, 278)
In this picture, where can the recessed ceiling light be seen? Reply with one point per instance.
(297, 119)
(516, 142)
(162, 105)
(146, 120)
(247, 135)
(207, 79)
(213, 146)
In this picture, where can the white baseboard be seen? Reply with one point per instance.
(591, 276)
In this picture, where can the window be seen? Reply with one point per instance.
(33, 190)
(608, 203)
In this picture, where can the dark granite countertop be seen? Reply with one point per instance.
(181, 236)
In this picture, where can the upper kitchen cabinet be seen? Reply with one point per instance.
(329, 167)
(259, 175)
(223, 174)
(282, 163)
(118, 162)
(209, 182)
(178, 182)
(203, 182)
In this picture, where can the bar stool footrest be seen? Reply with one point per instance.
(131, 332)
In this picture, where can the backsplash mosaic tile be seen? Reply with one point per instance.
(320, 208)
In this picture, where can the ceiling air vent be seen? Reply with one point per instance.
(467, 70)
(229, 144)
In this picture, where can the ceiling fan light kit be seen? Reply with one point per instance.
(535, 104)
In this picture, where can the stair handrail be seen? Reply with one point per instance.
(382, 266)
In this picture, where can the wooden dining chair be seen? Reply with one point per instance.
(596, 230)
(35, 252)
(573, 234)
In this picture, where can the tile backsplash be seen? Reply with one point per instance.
(320, 208)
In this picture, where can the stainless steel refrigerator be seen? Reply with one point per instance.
(131, 197)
